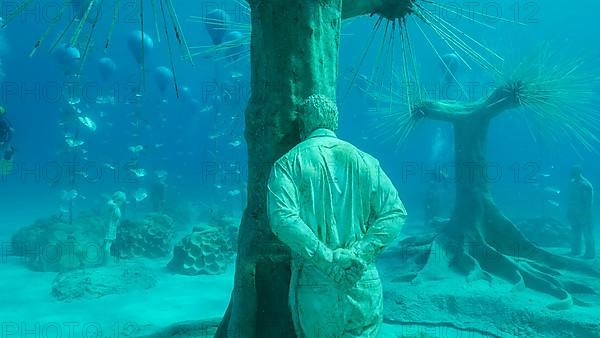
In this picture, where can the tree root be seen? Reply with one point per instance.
(451, 325)
(478, 260)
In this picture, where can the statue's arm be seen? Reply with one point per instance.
(387, 220)
(588, 194)
(285, 221)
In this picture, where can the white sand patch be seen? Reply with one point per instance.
(26, 300)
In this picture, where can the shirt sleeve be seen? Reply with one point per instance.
(387, 219)
(284, 217)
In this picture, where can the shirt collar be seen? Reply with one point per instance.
(320, 132)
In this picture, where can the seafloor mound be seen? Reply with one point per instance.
(209, 249)
(206, 251)
(98, 282)
(52, 244)
(151, 237)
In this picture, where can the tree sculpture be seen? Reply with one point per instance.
(479, 241)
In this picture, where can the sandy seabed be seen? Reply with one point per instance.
(448, 307)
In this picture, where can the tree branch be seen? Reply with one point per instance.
(353, 8)
(499, 101)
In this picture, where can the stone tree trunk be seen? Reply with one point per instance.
(294, 53)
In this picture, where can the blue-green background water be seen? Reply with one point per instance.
(183, 128)
(190, 137)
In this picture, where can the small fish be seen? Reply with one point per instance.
(140, 195)
(139, 172)
(86, 121)
(160, 174)
(109, 166)
(553, 203)
(552, 190)
(72, 143)
(136, 149)
(214, 136)
(207, 109)
(68, 195)
(218, 186)
(233, 192)
(236, 75)
(82, 174)
(235, 143)
(74, 100)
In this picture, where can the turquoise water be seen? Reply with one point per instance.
(169, 134)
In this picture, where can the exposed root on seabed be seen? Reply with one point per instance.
(480, 257)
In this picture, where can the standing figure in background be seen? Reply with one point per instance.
(7, 149)
(579, 213)
(114, 209)
(433, 202)
(157, 195)
(437, 200)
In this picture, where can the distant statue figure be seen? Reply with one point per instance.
(579, 213)
(114, 209)
(336, 209)
(436, 200)
(157, 195)
(7, 149)
(449, 63)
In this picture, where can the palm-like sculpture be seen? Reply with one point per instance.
(479, 241)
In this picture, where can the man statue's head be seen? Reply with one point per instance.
(576, 171)
(318, 111)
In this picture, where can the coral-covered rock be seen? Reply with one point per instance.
(152, 237)
(546, 232)
(205, 251)
(102, 281)
(227, 226)
(53, 244)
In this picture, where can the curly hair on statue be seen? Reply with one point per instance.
(318, 111)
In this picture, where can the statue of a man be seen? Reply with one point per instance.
(114, 220)
(581, 197)
(336, 209)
